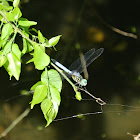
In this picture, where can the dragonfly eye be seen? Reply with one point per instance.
(83, 82)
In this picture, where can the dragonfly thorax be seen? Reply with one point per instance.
(75, 73)
(79, 79)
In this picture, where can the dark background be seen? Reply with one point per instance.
(114, 76)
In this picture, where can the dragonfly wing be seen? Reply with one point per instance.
(94, 56)
(77, 65)
(89, 57)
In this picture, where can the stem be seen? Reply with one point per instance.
(14, 123)
(17, 29)
(98, 100)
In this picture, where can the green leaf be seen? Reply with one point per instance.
(8, 47)
(7, 30)
(3, 59)
(27, 47)
(50, 110)
(78, 96)
(24, 50)
(16, 13)
(3, 42)
(54, 40)
(53, 78)
(46, 105)
(16, 50)
(55, 94)
(31, 60)
(35, 85)
(27, 23)
(16, 3)
(5, 7)
(41, 37)
(13, 65)
(41, 59)
(10, 16)
(33, 29)
(4, 2)
(39, 94)
(51, 101)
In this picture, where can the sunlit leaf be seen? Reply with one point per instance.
(41, 59)
(16, 50)
(51, 112)
(35, 85)
(16, 3)
(55, 94)
(46, 105)
(9, 16)
(8, 47)
(33, 29)
(7, 30)
(39, 94)
(27, 23)
(78, 96)
(3, 42)
(2, 59)
(40, 37)
(53, 81)
(4, 2)
(13, 65)
(16, 13)
(54, 40)
(24, 50)
(27, 47)
(5, 7)
(51, 100)
(53, 77)
(30, 61)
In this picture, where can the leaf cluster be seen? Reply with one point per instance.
(46, 91)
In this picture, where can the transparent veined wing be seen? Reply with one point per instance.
(89, 57)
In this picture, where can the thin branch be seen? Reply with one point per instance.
(122, 32)
(14, 123)
(17, 29)
(116, 29)
(98, 100)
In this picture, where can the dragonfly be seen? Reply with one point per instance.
(77, 66)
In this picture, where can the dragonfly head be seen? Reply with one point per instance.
(83, 82)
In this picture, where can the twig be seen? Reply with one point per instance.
(116, 29)
(98, 100)
(122, 32)
(14, 123)
(17, 29)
